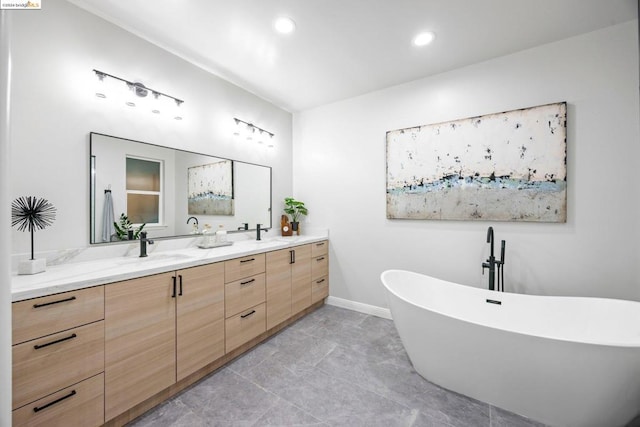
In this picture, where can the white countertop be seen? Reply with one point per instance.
(78, 275)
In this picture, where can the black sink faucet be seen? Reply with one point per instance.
(244, 227)
(258, 230)
(143, 244)
(492, 263)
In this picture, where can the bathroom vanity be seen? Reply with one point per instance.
(101, 342)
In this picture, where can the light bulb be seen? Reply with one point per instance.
(284, 25)
(424, 39)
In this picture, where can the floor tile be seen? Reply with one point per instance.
(284, 414)
(333, 367)
(325, 397)
(502, 418)
(226, 398)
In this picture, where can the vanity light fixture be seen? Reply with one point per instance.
(424, 38)
(138, 94)
(250, 130)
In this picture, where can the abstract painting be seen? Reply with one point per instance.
(507, 166)
(211, 189)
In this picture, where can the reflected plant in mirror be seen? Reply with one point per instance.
(125, 230)
(163, 187)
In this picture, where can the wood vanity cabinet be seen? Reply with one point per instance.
(200, 317)
(140, 341)
(58, 359)
(288, 283)
(300, 279)
(91, 356)
(319, 271)
(245, 308)
(158, 330)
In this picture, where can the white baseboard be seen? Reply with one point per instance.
(385, 313)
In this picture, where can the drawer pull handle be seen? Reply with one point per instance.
(40, 408)
(173, 290)
(54, 302)
(247, 282)
(248, 314)
(320, 244)
(39, 346)
(319, 281)
(320, 259)
(180, 293)
(247, 260)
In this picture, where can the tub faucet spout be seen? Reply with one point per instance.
(490, 238)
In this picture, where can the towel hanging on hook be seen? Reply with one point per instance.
(108, 228)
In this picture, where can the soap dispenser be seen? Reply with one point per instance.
(206, 235)
(221, 234)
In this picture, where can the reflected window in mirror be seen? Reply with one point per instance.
(144, 191)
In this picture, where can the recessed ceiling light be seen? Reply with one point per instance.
(424, 39)
(284, 25)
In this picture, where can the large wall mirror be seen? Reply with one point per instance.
(170, 190)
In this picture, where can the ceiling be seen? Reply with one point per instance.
(345, 48)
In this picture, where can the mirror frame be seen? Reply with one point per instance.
(93, 194)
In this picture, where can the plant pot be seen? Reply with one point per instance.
(295, 226)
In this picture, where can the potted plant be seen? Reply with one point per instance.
(296, 209)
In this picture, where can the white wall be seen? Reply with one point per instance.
(54, 109)
(339, 171)
(5, 200)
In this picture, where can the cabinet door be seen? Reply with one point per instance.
(140, 341)
(200, 317)
(278, 286)
(301, 279)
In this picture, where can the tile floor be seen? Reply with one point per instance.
(334, 367)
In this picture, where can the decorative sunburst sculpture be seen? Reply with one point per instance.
(30, 213)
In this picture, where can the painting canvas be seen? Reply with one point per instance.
(211, 189)
(507, 166)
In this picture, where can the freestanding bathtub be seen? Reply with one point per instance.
(564, 361)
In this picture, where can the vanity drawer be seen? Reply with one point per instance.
(319, 267)
(236, 269)
(47, 315)
(319, 248)
(319, 289)
(243, 294)
(45, 365)
(245, 326)
(79, 405)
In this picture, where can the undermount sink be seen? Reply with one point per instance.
(290, 239)
(155, 257)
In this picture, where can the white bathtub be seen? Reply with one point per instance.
(564, 361)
